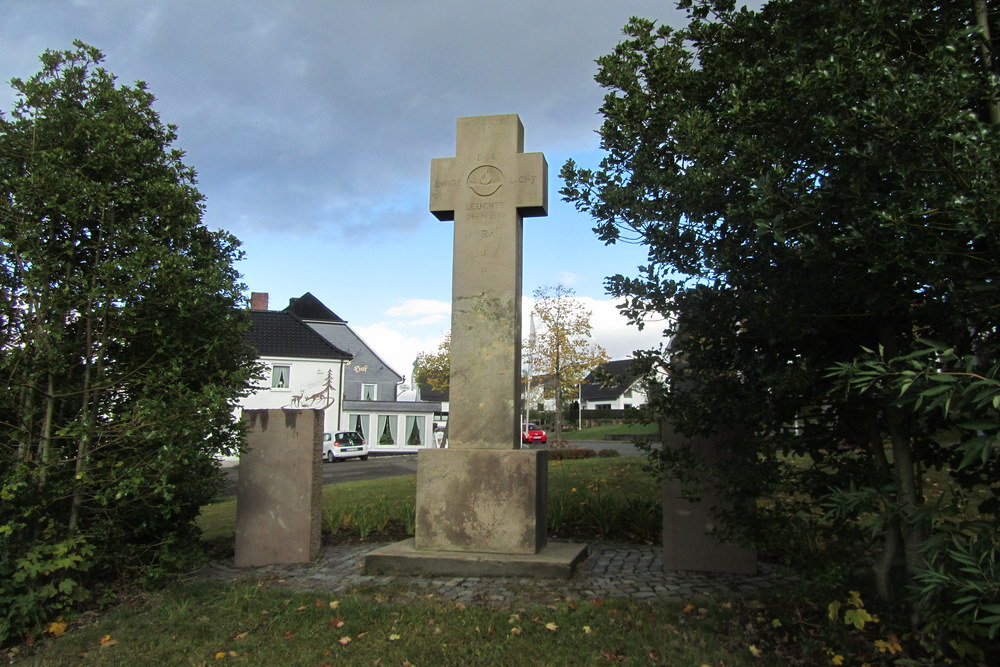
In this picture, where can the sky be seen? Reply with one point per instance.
(312, 125)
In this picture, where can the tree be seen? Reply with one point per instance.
(813, 180)
(562, 347)
(434, 368)
(122, 348)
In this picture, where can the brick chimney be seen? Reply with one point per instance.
(258, 300)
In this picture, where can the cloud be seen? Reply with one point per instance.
(298, 118)
(395, 346)
(568, 278)
(421, 311)
(609, 328)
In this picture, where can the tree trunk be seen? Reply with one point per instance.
(45, 442)
(906, 474)
(882, 568)
(986, 48)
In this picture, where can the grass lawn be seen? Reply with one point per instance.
(197, 623)
(202, 624)
(261, 623)
(599, 432)
(377, 502)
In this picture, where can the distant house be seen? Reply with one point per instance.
(369, 387)
(303, 369)
(613, 386)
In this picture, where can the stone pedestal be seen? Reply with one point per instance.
(687, 540)
(278, 508)
(487, 501)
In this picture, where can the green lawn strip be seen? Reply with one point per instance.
(596, 482)
(210, 623)
(599, 432)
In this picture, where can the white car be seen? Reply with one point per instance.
(344, 445)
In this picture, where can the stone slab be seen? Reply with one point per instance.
(482, 500)
(688, 539)
(557, 560)
(278, 491)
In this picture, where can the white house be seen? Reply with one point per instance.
(613, 386)
(315, 360)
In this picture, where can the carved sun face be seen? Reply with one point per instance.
(485, 180)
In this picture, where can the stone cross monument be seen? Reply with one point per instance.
(482, 503)
(486, 189)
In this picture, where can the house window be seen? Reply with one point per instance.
(386, 430)
(415, 429)
(627, 406)
(280, 376)
(369, 392)
(627, 394)
(360, 424)
(602, 406)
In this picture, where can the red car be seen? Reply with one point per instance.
(531, 433)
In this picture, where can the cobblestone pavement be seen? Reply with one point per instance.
(611, 571)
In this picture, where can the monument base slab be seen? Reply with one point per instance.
(557, 560)
(482, 500)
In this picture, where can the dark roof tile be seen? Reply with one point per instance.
(282, 334)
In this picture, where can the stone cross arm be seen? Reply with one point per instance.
(489, 169)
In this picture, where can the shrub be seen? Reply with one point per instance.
(572, 453)
(608, 453)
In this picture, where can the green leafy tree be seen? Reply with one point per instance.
(561, 347)
(122, 348)
(434, 368)
(812, 180)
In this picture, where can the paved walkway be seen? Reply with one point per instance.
(611, 571)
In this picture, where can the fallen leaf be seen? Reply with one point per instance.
(514, 618)
(437, 631)
(394, 638)
(334, 604)
(337, 623)
(515, 630)
(688, 609)
(289, 634)
(587, 630)
(377, 662)
(551, 627)
(106, 640)
(459, 606)
(242, 635)
(302, 607)
(597, 602)
(754, 651)
(344, 641)
(360, 635)
(204, 619)
(57, 628)
(219, 655)
(320, 603)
